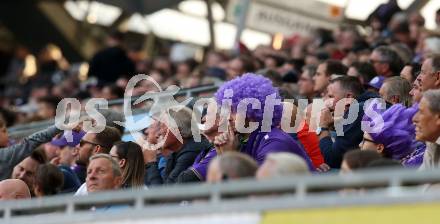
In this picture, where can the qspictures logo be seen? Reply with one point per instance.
(343, 112)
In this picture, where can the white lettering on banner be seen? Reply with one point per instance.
(278, 20)
(282, 21)
(314, 8)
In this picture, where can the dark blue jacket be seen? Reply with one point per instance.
(177, 163)
(353, 135)
(71, 181)
(81, 172)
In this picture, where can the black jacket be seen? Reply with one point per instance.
(177, 164)
(110, 64)
(333, 152)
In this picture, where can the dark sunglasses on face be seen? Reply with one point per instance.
(83, 142)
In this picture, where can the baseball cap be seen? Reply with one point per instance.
(63, 141)
(377, 82)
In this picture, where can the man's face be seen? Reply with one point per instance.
(86, 148)
(429, 79)
(406, 73)
(427, 123)
(67, 155)
(4, 137)
(45, 110)
(153, 132)
(25, 171)
(170, 141)
(211, 117)
(380, 66)
(235, 68)
(107, 94)
(334, 95)
(383, 91)
(231, 121)
(51, 151)
(321, 79)
(416, 92)
(437, 19)
(352, 72)
(306, 84)
(100, 176)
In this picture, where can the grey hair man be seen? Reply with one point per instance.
(180, 154)
(396, 90)
(231, 166)
(282, 164)
(430, 73)
(427, 122)
(103, 174)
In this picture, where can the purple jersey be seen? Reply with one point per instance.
(260, 144)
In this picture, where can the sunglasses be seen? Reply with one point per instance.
(83, 142)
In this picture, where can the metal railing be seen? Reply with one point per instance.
(23, 130)
(378, 187)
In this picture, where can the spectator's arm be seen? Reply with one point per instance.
(152, 174)
(334, 151)
(330, 153)
(197, 172)
(11, 156)
(188, 176)
(183, 162)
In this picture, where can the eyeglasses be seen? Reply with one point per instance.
(367, 140)
(82, 142)
(115, 157)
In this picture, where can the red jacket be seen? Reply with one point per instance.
(310, 142)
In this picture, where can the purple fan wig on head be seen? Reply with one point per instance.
(373, 106)
(251, 85)
(398, 132)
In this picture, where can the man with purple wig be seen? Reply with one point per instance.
(396, 139)
(249, 95)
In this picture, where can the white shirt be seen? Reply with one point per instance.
(82, 190)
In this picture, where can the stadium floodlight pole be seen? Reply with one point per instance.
(243, 8)
(211, 23)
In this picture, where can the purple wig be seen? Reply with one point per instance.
(251, 85)
(398, 132)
